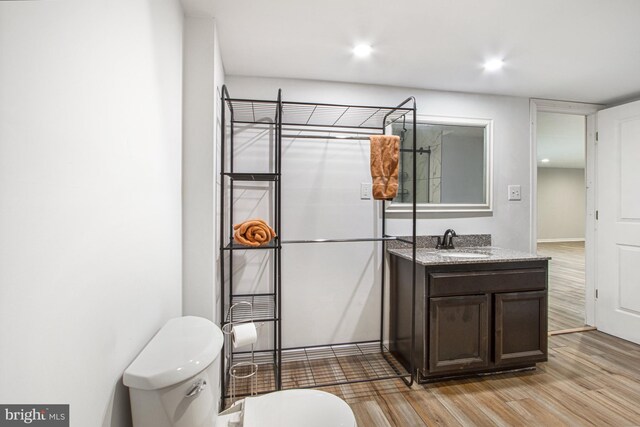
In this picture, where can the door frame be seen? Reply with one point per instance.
(589, 111)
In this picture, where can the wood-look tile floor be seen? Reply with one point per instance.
(566, 284)
(590, 379)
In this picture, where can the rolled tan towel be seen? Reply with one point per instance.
(253, 232)
(385, 150)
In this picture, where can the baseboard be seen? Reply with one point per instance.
(565, 239)
(572, 330)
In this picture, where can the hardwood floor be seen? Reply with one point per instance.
(566, 284)
(591, 379)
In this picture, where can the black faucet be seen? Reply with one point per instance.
(447, 240)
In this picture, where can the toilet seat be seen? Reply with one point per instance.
(295, 408)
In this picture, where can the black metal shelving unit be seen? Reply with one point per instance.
(326, 364)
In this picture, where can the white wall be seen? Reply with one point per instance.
(561, 204)
(203, 77)
(331, 292)
(203, 80)
(90, 203)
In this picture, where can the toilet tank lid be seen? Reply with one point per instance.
(184, 347)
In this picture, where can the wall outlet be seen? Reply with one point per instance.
(514, 192)
(365, 191)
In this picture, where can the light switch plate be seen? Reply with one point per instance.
(365, 191)
(514, 193)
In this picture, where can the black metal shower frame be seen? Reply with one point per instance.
(406, 107)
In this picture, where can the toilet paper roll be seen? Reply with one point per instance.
(244, 334)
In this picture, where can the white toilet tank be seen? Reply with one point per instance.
(175, 380)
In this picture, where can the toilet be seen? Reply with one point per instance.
(175, 382)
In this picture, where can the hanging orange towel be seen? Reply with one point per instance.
(253, 232)
(384, 165)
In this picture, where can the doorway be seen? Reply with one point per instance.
(562, 215)
(561, 142)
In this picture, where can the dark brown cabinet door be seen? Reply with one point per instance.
(521, 327)
(459, 333)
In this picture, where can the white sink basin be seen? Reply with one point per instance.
(463, 254)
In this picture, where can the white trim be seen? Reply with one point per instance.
(562, 239)
(552, 106)
(566, 107)
(487, 207)
(588, 110)
(591, 225)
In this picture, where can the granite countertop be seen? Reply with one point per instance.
(485, 254)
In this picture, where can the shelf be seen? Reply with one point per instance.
(341, 116)
(252, 176)
(233, 246)
(240, 247)
(252, 111)
(317, 366)
(264, 308)
(323, 366)
(315, 114)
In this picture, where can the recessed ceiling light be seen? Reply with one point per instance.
(362, 50)
(544, 161)
(493, 64)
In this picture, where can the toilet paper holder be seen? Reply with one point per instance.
(228, 328)
(245, 370)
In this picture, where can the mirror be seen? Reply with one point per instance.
(453, 167)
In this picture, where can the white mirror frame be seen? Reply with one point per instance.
(486, 207)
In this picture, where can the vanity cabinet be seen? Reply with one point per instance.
(470, 318)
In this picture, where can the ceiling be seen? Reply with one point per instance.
(578, 50)
(561, 138)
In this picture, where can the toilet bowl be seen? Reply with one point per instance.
(175, 382)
